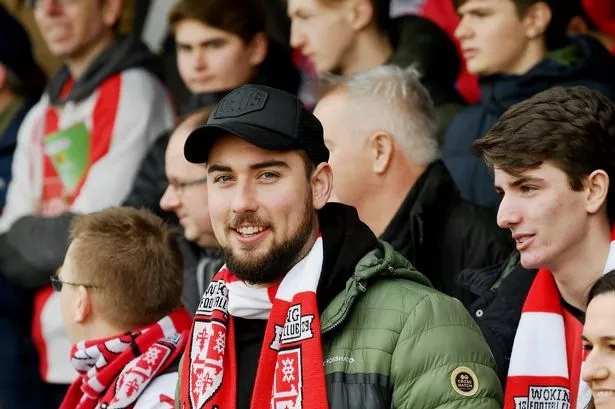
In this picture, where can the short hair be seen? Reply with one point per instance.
(382, 11)
(562, 12)
(604, 285)
(574, 128)
(394, 100)
(244, 18)
(133, 256)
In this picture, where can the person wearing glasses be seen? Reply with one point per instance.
(119, 291)
(186, 196)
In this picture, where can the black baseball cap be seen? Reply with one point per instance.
(263, 116)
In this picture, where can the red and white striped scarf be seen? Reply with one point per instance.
(115, 371)
(547, 353)
(290, 372)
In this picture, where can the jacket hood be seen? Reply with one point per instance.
(277, 71)
(583, 61)
(125, 53)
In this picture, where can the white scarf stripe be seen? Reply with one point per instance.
(540, 361)
(168, 329)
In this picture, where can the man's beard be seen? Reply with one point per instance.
(278, 260)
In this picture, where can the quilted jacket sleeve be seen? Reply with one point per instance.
(442, 360)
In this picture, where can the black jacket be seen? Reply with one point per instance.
(583, 62)
(500, 292)
(441, 234)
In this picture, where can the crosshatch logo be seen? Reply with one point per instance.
(215, 298)
(296, 328)
(464, 381)
(241, 102)
(544, 397)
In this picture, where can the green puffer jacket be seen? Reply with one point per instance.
(390, 341)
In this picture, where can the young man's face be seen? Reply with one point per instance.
(321, 33)
(72, 27)
(492, 36)
(348, 153)
(188, 202)
(262, 208)
(546, 217)
(210, 59)
(70, 298)
(599, 342)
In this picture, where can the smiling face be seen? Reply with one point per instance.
(599, 342)
(546, 217)
(72, 28)
(262, 207)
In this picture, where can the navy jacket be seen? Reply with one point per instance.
(584, 62)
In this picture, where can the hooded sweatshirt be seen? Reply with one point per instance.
(109, 117)
(583, 62)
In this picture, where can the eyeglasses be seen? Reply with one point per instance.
(180, 186)
(57, 284)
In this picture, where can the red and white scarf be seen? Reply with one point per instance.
(547, 353)
(290, 372)
(115, 371)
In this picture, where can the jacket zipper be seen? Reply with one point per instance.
(349, 304)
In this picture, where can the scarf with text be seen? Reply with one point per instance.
(290, 370)
(113, 372)
(547, 353)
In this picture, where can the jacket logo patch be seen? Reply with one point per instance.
(464, 381)
(241, 102)
(206, 354)
(555, 397)
(288, 380)
(296, 328)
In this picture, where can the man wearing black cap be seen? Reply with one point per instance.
(311, 310)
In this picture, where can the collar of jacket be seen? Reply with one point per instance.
(422, 212)
(124, 53)
(383, 262)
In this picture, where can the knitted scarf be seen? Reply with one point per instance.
(547, 353)
(113, 372)
(290, 371)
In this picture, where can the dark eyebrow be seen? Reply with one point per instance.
(270, 164)
(526, 179)
(218, 168)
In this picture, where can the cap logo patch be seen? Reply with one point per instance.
(240, 102)
(464, 381)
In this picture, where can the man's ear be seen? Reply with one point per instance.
(322, 185)
(83, 305)
(536, 20)
(596, 190)
(258, 48)
(112, 11)
(360, 14)
(381, 146)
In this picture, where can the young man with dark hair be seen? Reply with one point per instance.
(350, 36)
(120, 288)
(311, 310)
(552, 156)
(518, 48)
